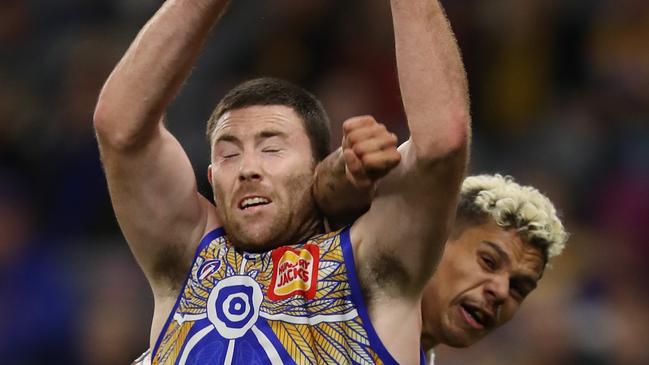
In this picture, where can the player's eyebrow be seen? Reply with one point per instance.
(259, 137)
(226, 137)
(503, 255)
(268, 133)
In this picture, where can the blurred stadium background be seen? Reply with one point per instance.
(560, 95)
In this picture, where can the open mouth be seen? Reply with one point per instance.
(253, 201)
(476, 317)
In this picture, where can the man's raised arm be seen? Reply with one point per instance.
(404, 231)
(150, 178)
(432, 79)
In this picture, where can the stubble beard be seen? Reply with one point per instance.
(260, 238)
(293, 222)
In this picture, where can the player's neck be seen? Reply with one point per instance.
(312, 226)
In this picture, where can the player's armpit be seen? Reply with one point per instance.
(409, 221)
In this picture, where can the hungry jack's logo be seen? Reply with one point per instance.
(294, 272)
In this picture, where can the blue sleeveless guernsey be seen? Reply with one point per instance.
(298, 304)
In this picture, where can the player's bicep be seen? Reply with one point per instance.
(410, 218)
(156, 202)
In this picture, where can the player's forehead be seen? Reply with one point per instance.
(251, 120)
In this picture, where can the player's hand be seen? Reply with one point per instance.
(369, 150)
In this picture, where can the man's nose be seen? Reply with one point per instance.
(497, 289)
(249, 169)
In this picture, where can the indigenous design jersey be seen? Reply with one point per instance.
(298, 304)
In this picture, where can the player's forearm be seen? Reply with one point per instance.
(432, 79)
(153, 69)
(338, 199)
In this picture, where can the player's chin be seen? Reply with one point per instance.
(461, 338)
(253, 245)
(258, 237)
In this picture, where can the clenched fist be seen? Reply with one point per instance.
(369, 150)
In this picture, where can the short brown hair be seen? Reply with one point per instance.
(272, 91)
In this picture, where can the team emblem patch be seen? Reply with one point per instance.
(209, 267)
(295, 272)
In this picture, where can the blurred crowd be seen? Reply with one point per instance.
(560, 99)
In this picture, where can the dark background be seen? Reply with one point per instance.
(560, 99)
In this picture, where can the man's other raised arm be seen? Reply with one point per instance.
(410, 218)
(345, 181)
(150, 178)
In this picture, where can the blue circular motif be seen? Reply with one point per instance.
(237, 306)
(225, 304)
(233, 305)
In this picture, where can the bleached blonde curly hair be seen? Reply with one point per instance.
(513, 206)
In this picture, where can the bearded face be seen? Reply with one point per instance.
(261, 175)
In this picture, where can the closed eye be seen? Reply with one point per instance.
(488, 262)
(518, 293)
(521, 287)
